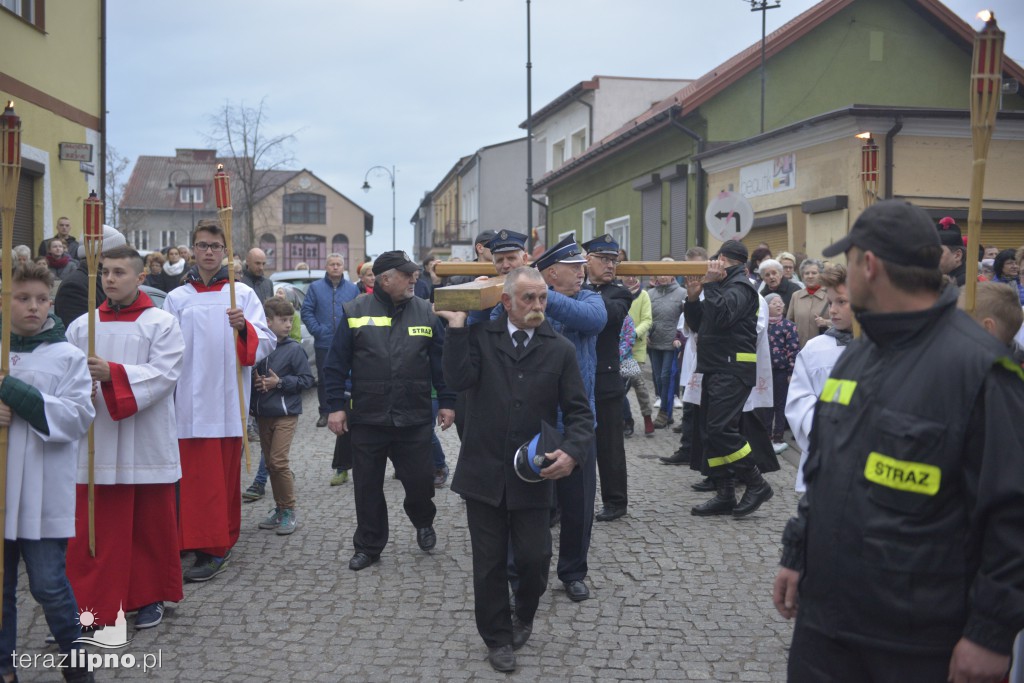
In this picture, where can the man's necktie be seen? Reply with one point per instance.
(520, 338)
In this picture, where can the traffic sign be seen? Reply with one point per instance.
(729, 216)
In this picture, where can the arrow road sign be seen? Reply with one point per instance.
(729, 216)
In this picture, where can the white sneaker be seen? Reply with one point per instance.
(677, 403)
(779, 447)
(657, 403)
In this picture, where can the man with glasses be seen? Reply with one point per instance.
(210, 429)
(609, 389)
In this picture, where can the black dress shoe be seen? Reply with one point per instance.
(752, 499)
(520, 632)
(426, 538)
(704, 486)
(627, 428)
(502, 658)
(677, 458)
(607, 514)
(577, 590)
(322, 422)
(361, 561)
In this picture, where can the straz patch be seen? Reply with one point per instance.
(421, 332)
(903, 475)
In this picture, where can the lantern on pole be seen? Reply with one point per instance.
(986, 83)
(869, 169)
(10, 174)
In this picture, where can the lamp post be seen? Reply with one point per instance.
(191, 193)
(529, 133)
(762, 6)
(366, 188)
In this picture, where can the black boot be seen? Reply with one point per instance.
(627, 428)
(758, 491)
(680, 457)
(704, 485)
(723, 502)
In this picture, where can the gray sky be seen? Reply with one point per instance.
(410, 83)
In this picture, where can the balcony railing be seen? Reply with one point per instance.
(452, 231)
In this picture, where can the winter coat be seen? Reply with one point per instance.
(289, 363)
(643, 319)
(322, 309)
(804, 307)
(666, 305)
(509, 396)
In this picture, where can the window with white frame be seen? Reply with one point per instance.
(589, 224)
(557, 155)
(140, 238)
(26, 9)
(563, 235)
(190, 195)
(167, 239)
(579, 142)
(618, 228)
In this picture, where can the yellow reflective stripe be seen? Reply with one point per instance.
(903, 475)
(419, 331)
(746, 357)
(838, 391)
(1008, 364)
(371, 320)
(732, 457)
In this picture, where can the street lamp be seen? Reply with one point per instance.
(191, 193)
(366, 188)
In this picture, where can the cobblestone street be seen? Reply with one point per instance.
(290, 609)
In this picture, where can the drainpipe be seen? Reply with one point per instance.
(893, 132)
(590, 118)
(699, 200)
(102, 153)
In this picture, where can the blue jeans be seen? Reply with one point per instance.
(261, 473)
(435, 444)
(661, 368)
(49, 585)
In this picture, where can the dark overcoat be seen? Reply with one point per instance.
(507, 398)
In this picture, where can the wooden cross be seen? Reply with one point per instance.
(481, 295)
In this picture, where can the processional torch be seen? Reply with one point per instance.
(222, 191)
(986, 84)
(10, 173)
(93, 208)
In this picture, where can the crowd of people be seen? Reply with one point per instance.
(538, 388)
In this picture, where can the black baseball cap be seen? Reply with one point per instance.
(894, 231)
(733, 249)
(484, 237)
(398, 260)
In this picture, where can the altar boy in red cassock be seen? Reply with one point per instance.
(210, 427)
(137, 362)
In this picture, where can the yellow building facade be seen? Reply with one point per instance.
(806, 183)
(51, 67)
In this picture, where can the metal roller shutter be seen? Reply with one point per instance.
(24, 217)
(651, 223)
(1002, 235)
(678, 218)
(776, 236)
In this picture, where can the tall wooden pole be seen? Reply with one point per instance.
(222, 191)
(10, 173)
(93, 209)
(986, 83)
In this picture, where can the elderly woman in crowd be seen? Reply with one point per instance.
(22, 255)
(756, 257)
(809, 305)
(155, 270)
(666, 304)
(366, 278)
(1007, 269)
(775, 282)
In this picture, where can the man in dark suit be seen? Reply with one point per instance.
(518, 373)
(609, 388)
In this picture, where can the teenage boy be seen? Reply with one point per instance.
(210, 428)
(46, 405)
(279, 380)
(139, 351)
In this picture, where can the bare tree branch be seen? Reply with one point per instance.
(116, 180)
(237, 131)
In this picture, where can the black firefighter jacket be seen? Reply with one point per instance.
(911, 533)
(394, 355)
(507, 399)
(726, 324)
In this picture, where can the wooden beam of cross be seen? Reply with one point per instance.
(484, 294)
